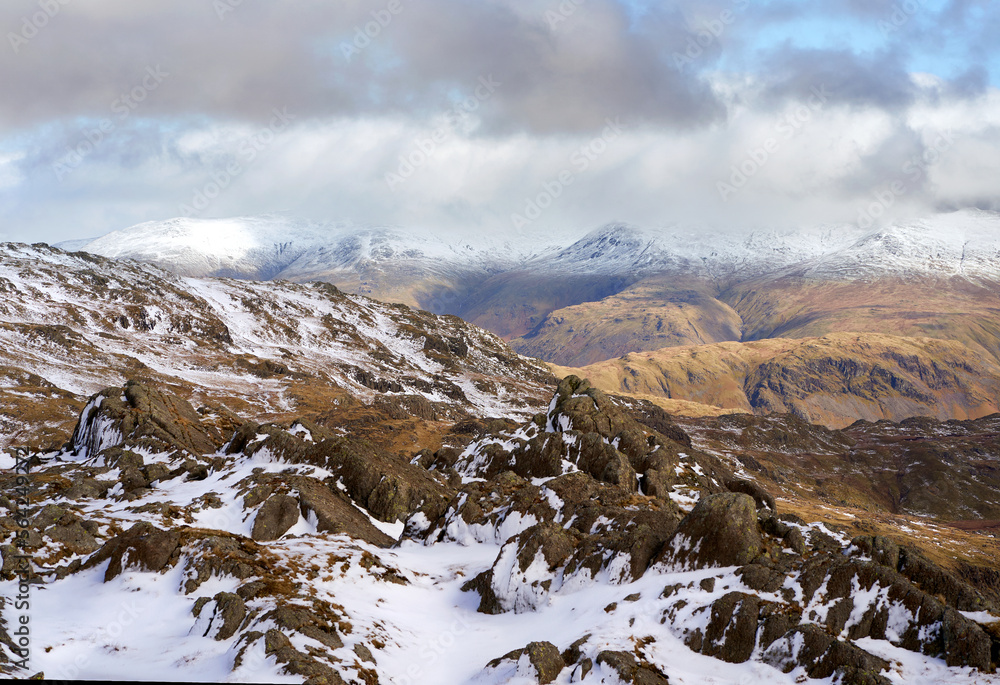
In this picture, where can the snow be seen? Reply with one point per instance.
(965, 243)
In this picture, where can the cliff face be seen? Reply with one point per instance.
(834, 380)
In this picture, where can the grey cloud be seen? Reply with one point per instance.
(878, 80)
(262, 55)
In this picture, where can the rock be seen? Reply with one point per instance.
(142, 417)
(257, 494)
(364, 653)
(390, 500)
(86, 488)
(335, 513)
(275, 517)
(731, 634)
(227, 612)
(604, 462)
(823, 656)
(573, 653)
(761, 578)
(118, 458)
(795, 541)
(544, 657)
(761, 496)
(506, 586)
(721, 530)
(144, 545)
(220, 555)
(76, 538)
(306, 622)
(629, 670)
(882, 550)
(275, 640)
(131, 479)
(934, 580)
(155, 472)
(48, 516)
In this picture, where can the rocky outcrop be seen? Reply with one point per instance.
(141, 416)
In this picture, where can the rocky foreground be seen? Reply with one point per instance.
(596, 542)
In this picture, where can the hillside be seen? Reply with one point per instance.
(72, 323)
(833, 380)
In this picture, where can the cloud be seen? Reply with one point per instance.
(116, 112)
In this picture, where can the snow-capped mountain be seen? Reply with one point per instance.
(275, 246)
(963, 243)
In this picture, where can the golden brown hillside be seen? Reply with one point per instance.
(832, 380)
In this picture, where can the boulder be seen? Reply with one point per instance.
(275, 517)
(629, 670)
(543, 657)
(721, 530)
(143, 545)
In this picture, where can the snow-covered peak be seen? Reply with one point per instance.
(277, 246)
(963, 244)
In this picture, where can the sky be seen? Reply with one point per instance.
(492, 116)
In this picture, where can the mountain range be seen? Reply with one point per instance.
(623, 289)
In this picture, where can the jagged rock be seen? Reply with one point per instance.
(220, 555)
(143, 544)
(86, 488)
(934, 580)
(573, 653)
(48, 516)
(506, 587)
(721, 530)
(823, 656)
(334, 513)
(629, 670)
(882, 550)
(142, 417)
(796, 541)
(223, 615)
(276, 516)
(731, 634)
(762, 578)
(544, 658)
(364, 653)
(306, 622)
(154, 472)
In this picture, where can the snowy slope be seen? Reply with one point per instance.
(75, 323)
